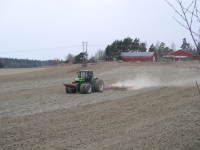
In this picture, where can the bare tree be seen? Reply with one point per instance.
(193, 11)
(92, 59)
(70, 58)
(145, 43)
(191, 47)
(173, 47)
(199, 42)
(99, 55)
(157, 46)
(55, 62)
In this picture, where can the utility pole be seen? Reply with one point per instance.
(86, 53)
(199, 36)
(83, 53)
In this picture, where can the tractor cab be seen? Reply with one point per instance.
(86, 74)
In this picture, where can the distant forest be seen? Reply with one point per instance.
(23, 63)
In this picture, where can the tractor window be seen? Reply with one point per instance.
(91, 74)
(84, 75)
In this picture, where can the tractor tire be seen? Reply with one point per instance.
(82, 88)
(66, 90)
(71, 90)
(99, 85)
(93, 85)
(87, 88)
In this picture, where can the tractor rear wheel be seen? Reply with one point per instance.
(93, 85)
(99, 85)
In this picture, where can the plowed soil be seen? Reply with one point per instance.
(162, 111)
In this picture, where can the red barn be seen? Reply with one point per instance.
(184, 53)
(138, 56)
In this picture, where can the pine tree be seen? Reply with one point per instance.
(135, 45)
(142, 47)
(151, 48)
(185, 45)
(127, 44)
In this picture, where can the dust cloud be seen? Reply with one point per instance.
(145, 81)
(139, 82)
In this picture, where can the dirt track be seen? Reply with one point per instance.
(161, 112)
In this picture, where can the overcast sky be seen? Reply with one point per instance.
(48, 29)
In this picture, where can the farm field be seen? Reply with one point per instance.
(162, 111)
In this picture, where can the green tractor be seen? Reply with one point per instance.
(85, 83)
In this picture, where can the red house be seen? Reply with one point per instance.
(183, 53)
(138, 56)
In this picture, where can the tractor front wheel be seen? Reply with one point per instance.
(88, 88)
(66, 90)
(85, 88)
(71, 90)
(82, 88)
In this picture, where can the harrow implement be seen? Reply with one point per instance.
(70, 85)
(110, 86)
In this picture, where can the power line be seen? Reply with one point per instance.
(97, 45)
(45, 49)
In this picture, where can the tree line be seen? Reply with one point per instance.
(113, 50)
(126, 45)
(23, 63)
(83, 57)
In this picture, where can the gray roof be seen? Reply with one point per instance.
(136, 54)
(188, 51)
(191, 52)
